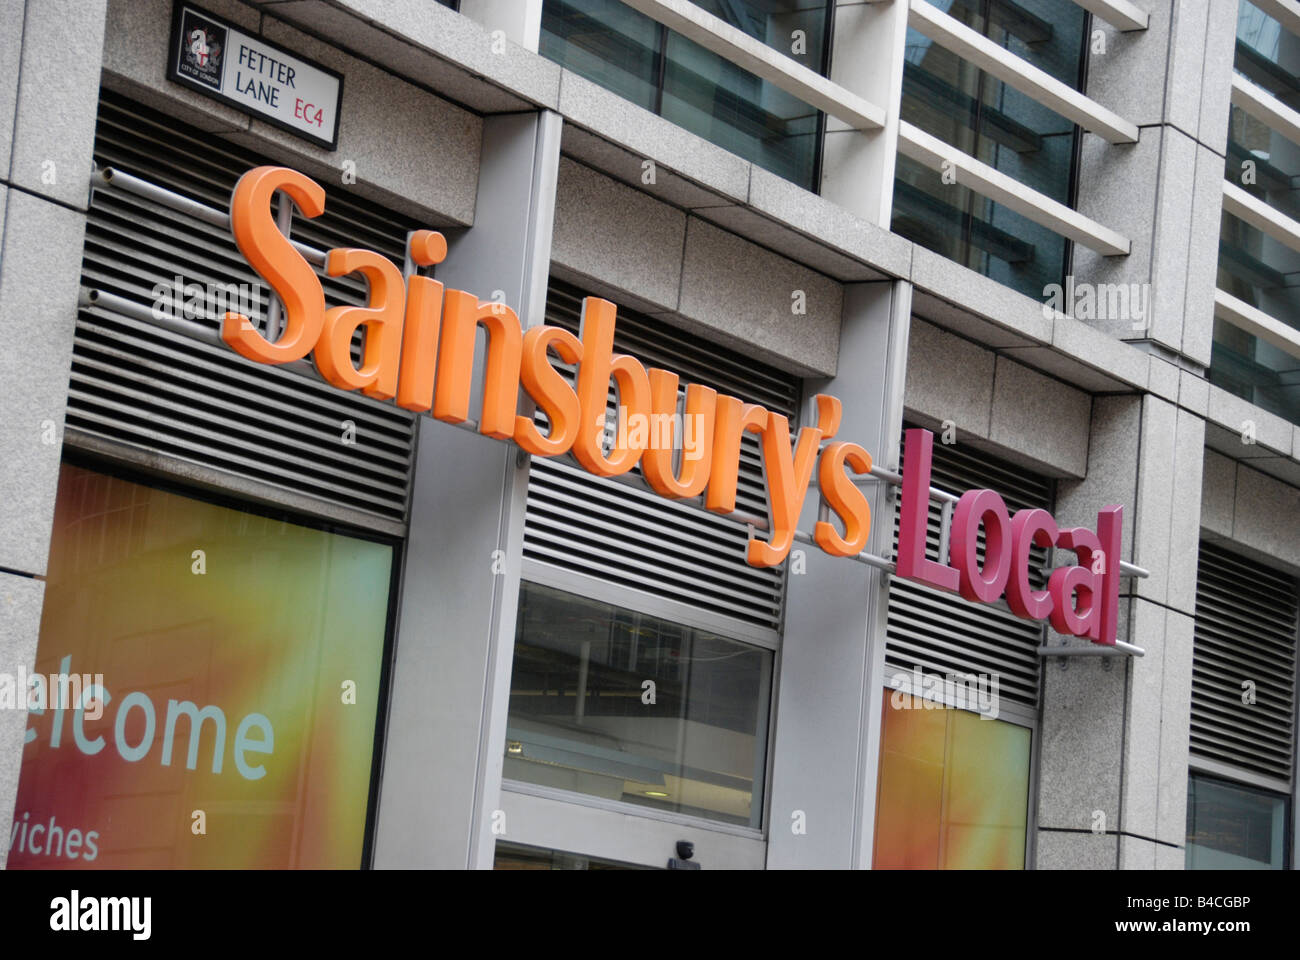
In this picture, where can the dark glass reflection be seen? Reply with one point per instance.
(950, 99)
(629, 53)
(1232, 827)
(1254, 267)
(624, 706)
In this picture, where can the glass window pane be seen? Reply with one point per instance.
(608, 43)
(1267, 54)
(625, 706)
(1232, 827)
(950, 99)
(706, 94)
(953, 791)
(224, 674)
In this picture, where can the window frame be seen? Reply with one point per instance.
(106, 464)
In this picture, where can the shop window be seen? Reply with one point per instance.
(516, 856)
(637, 58)
(625, 706)
(1242, 743)
(1233, 827)
(229, 677)
(962, 105)
(953, 790)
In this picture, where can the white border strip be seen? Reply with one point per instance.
(997, 61)
(1257, 323)
(997, 186)
(1266, 108)
(1120, 14)
(684, 17)
(1261, 216)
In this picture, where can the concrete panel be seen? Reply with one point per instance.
(1169, 278)
(1266, 515)
(1061, 850)
(1218, 493)
(1136, 853)
(1082, 748)
(618, 235)
(427, 168)
(607, 114)
(830, 223)
(11, 44)
(949, 378)
(1193, 393)
(745, 297)
(1175, 729)
(826, 747)
(1162, 379)
(1184, 523)
(1154, 506)
(1131, 77)
(434, 47)
(1186, 65)
(1112, 468)
(1128, 205)
(1171, 857)
(630, 167)
(1202, 257)
(1141, 775)
(746, 222)
(1084, 342)
(58, 96)
(1216, 74)
(136, 37)
(38, 309)
(982, 297)
(20, 624)
(1273, 435)
(1040, 417)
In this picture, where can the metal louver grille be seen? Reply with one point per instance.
(1245, 639)
(141, 384)
(629, 535)
(941, 634)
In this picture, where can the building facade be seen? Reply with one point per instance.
(314, 620)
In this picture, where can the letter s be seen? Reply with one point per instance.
(271, 254)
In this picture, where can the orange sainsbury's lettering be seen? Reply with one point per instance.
(657, 461)
(550, 391)
(420, 346)
(270, 253)
(383, 315)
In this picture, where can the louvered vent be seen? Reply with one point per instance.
(629, 535)
(942, 633)
(1245, 641)
(138, 383)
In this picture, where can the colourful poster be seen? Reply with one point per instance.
(954, 789)
(215, 687)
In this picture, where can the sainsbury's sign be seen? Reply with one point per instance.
(419, 352)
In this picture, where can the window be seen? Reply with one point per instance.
(612, 703)
(637, 58)
(961, 702)
(1232, 827)
(225, 662)
(1242, 749)
(516, 856)
(960, 104)
(1254, 267)
(953, 790)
